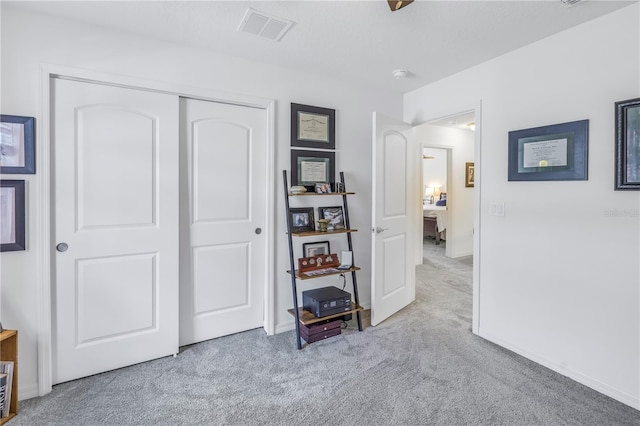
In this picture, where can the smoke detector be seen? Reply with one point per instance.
(264, 25)
(399, 73)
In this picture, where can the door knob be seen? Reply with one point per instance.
(258, 231)
(380, 230)
(62, 247)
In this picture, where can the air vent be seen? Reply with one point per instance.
(571, 2)
(264, 25)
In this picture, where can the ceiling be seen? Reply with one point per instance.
(356, 41)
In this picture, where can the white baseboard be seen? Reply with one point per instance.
(595, 384)
(27, 392)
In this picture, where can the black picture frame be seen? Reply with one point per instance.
(13, 208)
(547, 153)
(17, 157)
(334, 215)
(302, 219)
(313, 127)
(316, 248)
(303, 159)
(628, 145)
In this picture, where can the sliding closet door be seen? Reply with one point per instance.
(223, 213)
(116, 227)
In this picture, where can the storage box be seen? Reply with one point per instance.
(320, 331)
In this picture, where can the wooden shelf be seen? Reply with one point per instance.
(302, 276)
(317, 233)
(307, 317)
(9, 352)
(320, 195)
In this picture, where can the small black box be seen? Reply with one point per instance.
(326, 301)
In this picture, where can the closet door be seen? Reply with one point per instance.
(224, 198)
(116, 227)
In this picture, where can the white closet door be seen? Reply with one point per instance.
(116, 210)
(223, 253)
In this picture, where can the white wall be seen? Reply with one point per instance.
(29, 40)
(459, 198)
(559, 280)
(434, 169)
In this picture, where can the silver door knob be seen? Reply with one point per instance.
(380, 230)
(258, 231)
(62, 247)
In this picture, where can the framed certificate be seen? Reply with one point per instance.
(556, 152)
(313, 127)
(311, 167)
(628, 145)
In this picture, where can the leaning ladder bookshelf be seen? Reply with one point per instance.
(305, 317)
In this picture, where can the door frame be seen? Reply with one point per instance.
(46, 264)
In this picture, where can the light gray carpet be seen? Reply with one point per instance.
(423, 366)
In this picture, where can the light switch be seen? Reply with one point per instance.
(497, 209)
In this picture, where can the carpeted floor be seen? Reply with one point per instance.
(422, 366)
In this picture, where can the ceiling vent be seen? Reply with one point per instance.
(264, 25)
(571, 2)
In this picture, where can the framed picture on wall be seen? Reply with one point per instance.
(17, 145)
(628, 145)
(12, 215)
(313, 127)
(311, 167)
(555, 152)
(469, 175)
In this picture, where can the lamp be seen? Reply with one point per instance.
(428, 195)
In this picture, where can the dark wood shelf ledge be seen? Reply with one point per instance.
(307, 317)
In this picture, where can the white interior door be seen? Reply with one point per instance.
(116, 211)
(394, 229)
(223, 252)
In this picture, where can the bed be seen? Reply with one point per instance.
(434, 222)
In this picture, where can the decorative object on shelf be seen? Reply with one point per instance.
(334, 215)
(316, 249)
(469, 175)
(318, 264)
(340, 187)
(323, 188)
(311, 167)
(313, 127)
(302, 219)
(17, 145)
(323, 225)
(556, 152)
(12, 214)
(628, 145)
(297, 190)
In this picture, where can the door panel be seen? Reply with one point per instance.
(222, 256)
(393, 279)
(116, 207)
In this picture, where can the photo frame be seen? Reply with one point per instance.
(334, 215)
(469, 175)
(313, 127)
(12, 215)
(17, 145)
(316, 248)
(547, 153)
(311, 167)
(302, 219)
(628, 145)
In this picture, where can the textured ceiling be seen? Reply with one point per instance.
(359, 41)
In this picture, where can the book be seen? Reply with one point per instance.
(3, 390)
(6, 367)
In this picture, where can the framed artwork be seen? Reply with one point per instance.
(316, 249)
(12, 216)
(17, 145)
(556, 152)
(313, 127)
(628, 145)
(311, 167)
(302, 219)
(469, 175)
(334, 215)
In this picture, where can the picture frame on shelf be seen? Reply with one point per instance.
(334, 215)
(323, 188)
(302, 219)
(316, 248)
(17, 145)
(311, 167)
(313, 127)
(628, 145)
(469, 175)
(12, 215)
(549, 153)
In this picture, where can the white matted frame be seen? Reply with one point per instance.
(44, 279)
